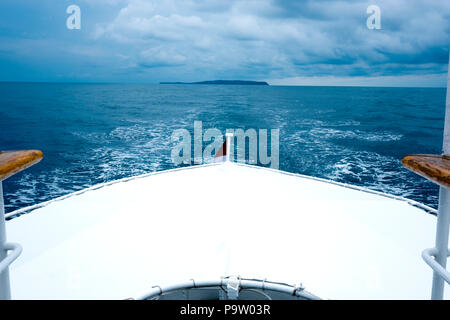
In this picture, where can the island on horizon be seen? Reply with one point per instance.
(239, 82)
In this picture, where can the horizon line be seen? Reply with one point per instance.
(158, 83)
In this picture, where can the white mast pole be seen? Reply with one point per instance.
(443, 219)
(228, 137)
(5, 291)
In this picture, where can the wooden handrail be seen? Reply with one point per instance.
(433, 167)
(12, 162)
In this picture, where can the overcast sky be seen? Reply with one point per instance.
(312, 42)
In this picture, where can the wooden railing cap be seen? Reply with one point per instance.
(12, 162)
(433, 167)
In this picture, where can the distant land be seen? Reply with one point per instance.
(240, 82)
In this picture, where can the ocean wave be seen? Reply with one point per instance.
(316, 135)
(330, 133)
(317, 153)
(378, 173)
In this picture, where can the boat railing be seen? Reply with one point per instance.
(11, 162)
(436, 168)
(16, 250)
(429, 256)
(229, 288)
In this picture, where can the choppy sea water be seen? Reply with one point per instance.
(94, 133)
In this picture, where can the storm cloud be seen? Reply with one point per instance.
(285, 42)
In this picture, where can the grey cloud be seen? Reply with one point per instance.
(284, 38)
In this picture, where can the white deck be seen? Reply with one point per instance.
(205, 222)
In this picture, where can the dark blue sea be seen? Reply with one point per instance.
(93, 133)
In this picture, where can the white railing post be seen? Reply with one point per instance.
(443, 219)
(5, 291)
(442, 232)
